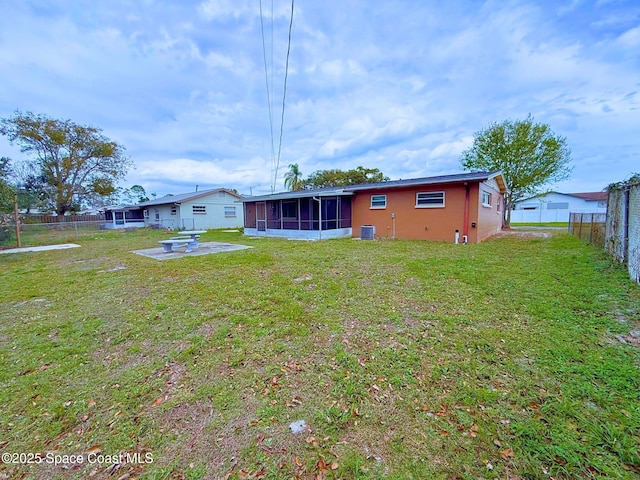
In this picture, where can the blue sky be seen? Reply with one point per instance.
(402, 86)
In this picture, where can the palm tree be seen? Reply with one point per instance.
(293, 178)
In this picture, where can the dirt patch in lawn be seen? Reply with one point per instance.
(524, 234)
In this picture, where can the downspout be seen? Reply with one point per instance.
(319, 200)
(465, 225)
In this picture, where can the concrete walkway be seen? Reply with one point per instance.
(43, 248)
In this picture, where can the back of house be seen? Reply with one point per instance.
(452, 208)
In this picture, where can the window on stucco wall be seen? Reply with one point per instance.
(430, 200)
(378, 201)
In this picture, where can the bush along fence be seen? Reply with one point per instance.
(590, 227)
(622, 238)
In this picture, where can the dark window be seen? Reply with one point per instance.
(378, 201)
(290, 209)
(430, 199)
(558, 206)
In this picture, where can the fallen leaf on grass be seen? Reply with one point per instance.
(444, 411)
(93, 449)
(508, 453)
(497, 443)
(311, 441)
(295, 401)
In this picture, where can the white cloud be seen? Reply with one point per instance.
(630, 38)
(373, 84)
(212, 9)
(451, 149)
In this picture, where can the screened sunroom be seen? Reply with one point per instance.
(311, 215)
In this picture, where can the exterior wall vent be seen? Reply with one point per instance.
(367, 232)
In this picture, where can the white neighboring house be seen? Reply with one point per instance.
(556, 206)
(203, 210)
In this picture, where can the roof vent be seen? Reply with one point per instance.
(367, 232)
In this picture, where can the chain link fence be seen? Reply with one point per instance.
(623, 225)
(589, 227)
(42, 233)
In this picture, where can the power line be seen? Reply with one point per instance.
(284, 96)
(266, 78)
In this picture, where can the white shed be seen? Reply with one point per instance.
(556, 206)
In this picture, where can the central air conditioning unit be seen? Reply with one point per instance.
(367, 232)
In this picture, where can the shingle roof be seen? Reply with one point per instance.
(589, 196)
(410, 182)
(183, 197)
(595, 196)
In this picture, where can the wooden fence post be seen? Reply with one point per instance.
(17, 218)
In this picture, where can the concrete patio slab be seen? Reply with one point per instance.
(204, 248)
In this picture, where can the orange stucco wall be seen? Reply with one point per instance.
(438, 224)
(489, 218)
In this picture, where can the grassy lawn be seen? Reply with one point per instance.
(540, 224)
(405, 360)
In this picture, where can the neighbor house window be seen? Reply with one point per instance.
(229, 212)
(146, 213)
(430, 199)
(486, 199)
(174, 211)
(199, 209)
(498, 204)
(220, 194)
(378, 201)
(558, 206)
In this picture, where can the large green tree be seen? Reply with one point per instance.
(340, 178)
(293, 178)
(529, 155)
(6, 191)
(73, 160)
(30, 186)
